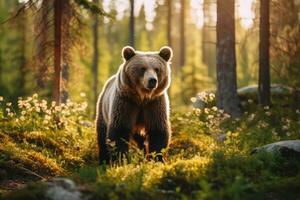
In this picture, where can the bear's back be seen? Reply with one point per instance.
(108, 95)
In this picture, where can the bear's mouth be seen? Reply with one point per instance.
(148, 90)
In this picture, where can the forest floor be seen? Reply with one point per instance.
(209, 156)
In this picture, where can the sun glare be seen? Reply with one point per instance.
(246, 13)
(197, 13)
(244, 10)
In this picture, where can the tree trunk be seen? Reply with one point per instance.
(65, 80)
(131, 24)
(205, 36)
(58, 11)
(22, 28)
(208, 32)
(169, 23)
(42, 26)
(169, 34)
(264, 54)
(227, 98)
(182, 34)
(95, 56)
(1, 71)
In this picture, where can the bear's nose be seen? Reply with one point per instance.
(152, 83)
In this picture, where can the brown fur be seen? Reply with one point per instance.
(127, 108)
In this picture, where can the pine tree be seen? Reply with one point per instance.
(182, 33)
(264, 54)
(95, 62)
(227, 98)
(131, 24)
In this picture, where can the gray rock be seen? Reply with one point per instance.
(199, 104)
(87, 124)
(276, 89)
(62, 189)
(285, 148)
(221, 137)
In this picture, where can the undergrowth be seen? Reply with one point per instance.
(40, 140)
(209, 156)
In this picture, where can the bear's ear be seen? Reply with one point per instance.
(128, 52)
(166, 53)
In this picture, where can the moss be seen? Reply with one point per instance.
(285, 188)
(32, 192)
(17, 161)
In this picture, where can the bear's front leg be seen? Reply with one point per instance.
(102, 147)
(120, 135)
(158, 126)
(123, 117)
(158, 140)
(101, 137)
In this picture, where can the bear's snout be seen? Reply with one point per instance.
(152, 83)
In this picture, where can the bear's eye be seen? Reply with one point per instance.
(156, 70)
(142, 70)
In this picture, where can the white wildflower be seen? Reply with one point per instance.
(197, 111)
(57, 108)
(206, 110)
(251, 117)
(227, 115)
(268, 113)
(84, 105)
(180, 118)
(37, 109)
(47, 117)
(21, 103)
(285, 127)
(274, 133)
(27, 105)
(66, 112)
(193, 99)
(53, 103)
(82, 94)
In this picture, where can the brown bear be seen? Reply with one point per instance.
(134, 104)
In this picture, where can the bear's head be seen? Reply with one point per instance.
(148, 73)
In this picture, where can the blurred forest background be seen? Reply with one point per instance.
(82, 41)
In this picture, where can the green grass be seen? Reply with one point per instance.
(198, 165)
